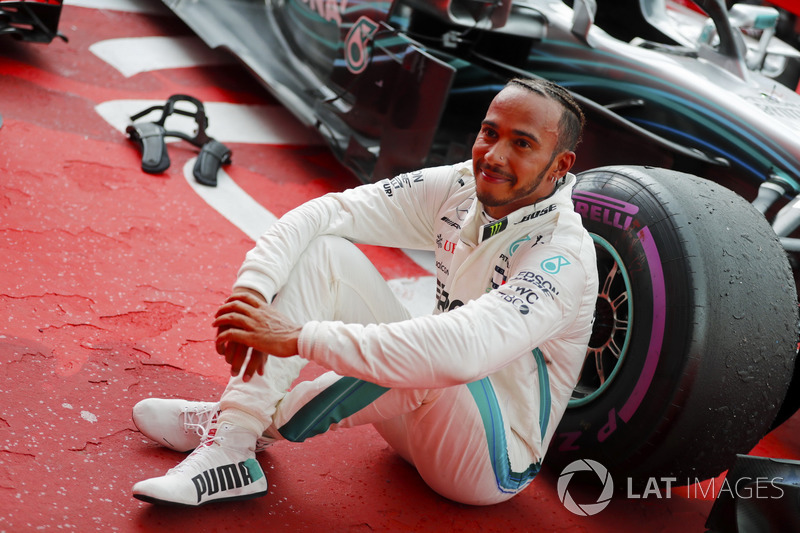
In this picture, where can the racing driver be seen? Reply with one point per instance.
(470, 395)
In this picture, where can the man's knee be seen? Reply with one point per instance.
(331, 247)
(331, 258)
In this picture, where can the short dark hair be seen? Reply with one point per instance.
(572, 119)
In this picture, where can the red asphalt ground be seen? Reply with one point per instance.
(109, 278)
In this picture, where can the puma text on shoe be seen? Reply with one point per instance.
(226, 477)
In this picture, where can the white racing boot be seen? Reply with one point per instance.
(222, 468)
(179, 424)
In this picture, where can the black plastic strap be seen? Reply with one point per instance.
(199, 115)
(150, 139)
(213, 155)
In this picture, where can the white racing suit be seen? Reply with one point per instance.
(471, 395)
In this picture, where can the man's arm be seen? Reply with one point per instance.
(459, 346)
(466, 343)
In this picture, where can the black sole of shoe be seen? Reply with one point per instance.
(156, 501)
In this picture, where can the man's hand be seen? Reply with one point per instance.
(246, 320)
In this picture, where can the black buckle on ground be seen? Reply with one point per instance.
(150, 138)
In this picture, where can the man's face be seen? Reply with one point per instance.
(514, 156)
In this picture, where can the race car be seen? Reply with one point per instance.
(689, 182)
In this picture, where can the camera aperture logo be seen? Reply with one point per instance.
(585, 465)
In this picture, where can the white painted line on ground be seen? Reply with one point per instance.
(256, 124)
(152, 7)
(423, 258)
(232, 202)
(130, 56)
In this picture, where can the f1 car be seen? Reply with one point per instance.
(689, 182)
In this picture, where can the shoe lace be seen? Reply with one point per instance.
(200, 419)
(208, 437)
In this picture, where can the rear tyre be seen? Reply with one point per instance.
(695, 333)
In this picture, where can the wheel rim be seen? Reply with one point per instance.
(612, 328)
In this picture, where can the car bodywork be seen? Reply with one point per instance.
(31, 20)
(397, 85)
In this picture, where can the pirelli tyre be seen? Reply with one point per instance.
(695, 332)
